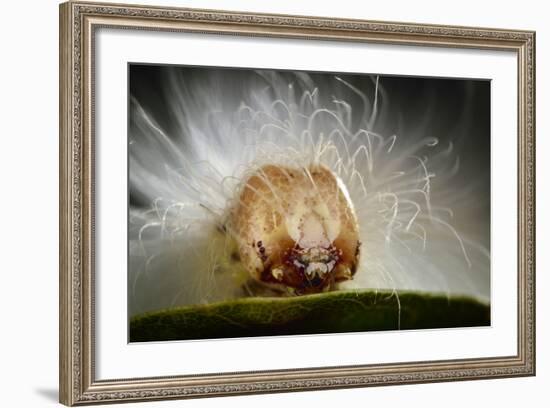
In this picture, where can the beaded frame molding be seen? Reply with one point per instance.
(78, 22)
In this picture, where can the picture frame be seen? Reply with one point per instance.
(80, 296)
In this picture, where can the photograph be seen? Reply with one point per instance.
(268, 202)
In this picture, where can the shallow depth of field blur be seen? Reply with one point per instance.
(412, 153)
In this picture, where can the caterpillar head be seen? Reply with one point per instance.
(296, 229)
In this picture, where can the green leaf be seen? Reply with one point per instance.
(332, 312)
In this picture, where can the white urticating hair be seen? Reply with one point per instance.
(182, 246)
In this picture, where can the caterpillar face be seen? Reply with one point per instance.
(296, 229)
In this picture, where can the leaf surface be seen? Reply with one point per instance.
(332, 312)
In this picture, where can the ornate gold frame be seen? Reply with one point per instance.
(78, 22)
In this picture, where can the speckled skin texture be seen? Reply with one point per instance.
(296, 229)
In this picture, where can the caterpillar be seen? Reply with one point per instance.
(284, 184)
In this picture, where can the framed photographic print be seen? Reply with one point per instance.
(259, 203)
